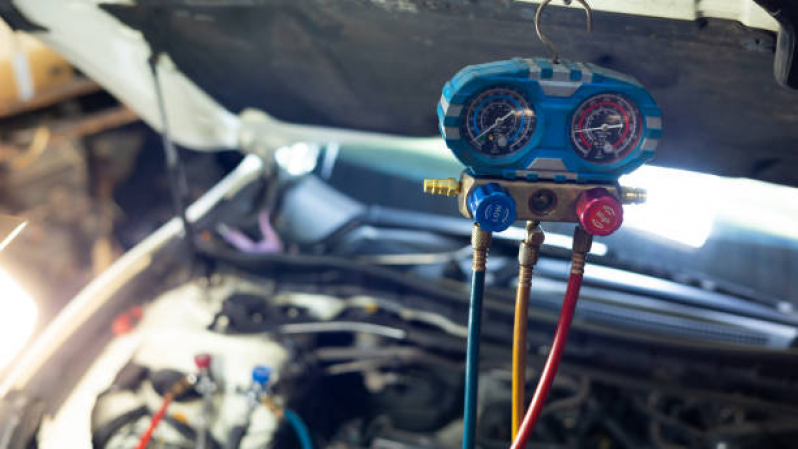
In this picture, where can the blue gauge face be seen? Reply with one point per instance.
(498, 122)
(605, 128)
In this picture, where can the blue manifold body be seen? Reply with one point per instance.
(583, 123)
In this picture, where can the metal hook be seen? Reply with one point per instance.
(539, 13)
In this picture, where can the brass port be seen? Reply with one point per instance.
(633, 195)
(543, 201)
(447, 187)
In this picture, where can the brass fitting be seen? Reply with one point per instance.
(181, 386)
(578, 263)
(447, 187)
(527, 255)
(633, 195)
(582, 244)
(269, 403)
(480, 241)
(535, 235)
(529, 249)
(525, 273)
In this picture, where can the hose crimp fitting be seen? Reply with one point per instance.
(578, 264)
(480, 241)
(525, 273)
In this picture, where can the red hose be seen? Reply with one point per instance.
(550, 369)
(156, 418)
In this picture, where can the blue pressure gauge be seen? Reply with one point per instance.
(537, 120)
(499, 122)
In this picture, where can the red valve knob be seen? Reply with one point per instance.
(203, 361)
(599, 212)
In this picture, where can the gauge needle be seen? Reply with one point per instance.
(601, 128)
(498, 122)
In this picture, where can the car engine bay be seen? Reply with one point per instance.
(376, 375)
(391, 220)
(372, 357)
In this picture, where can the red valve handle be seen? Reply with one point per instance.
(599, 212)
(203, 361)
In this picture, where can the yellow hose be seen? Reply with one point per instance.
(527, 257)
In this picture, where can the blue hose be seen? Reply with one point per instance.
(472, 360)
(300, 428)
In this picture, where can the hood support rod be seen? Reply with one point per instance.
(174, 168)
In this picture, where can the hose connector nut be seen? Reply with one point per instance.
(535, 236)
(492, 207)
(599, 212)
(583, 241)
(528, 254)
(480, 239)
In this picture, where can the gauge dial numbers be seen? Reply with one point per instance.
(605, 128)
(499, 122)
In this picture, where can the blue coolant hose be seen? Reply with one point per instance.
(472, 360)
(301, 430)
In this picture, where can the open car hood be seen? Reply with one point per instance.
(378, 66)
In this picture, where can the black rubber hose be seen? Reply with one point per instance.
(104, 434)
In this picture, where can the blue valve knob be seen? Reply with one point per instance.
(492, 207)
(261, 374)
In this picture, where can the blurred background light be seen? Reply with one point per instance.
(760, 206)
(10, 227)
(18, 314)
(681, 206)
(298, 159)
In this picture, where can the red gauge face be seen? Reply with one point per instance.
(606, 128)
